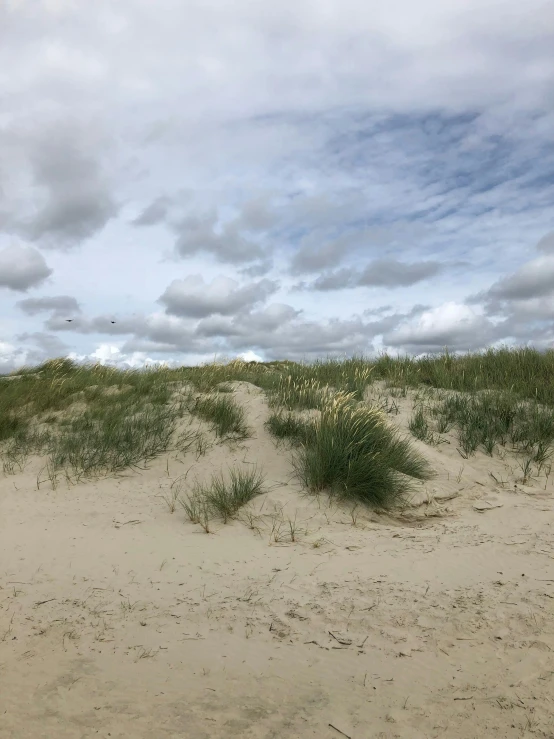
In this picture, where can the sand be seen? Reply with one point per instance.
(121, 619)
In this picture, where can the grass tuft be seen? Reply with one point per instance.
(226, 498)
(353, 453)
(226, 417)
(286, 426)
(222, 498)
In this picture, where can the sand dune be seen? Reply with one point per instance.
(121, 619)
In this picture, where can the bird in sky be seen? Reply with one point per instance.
(68, 320)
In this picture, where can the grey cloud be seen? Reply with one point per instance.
(154, 213)
(192, 298)
(527, 311)
(416, 310)
(309, 339)
(337, 280)
(387, 324)
(380, 273)
(377, 311)
(257, 215)
(258, 270)
(546, 244)
(277, 329)
(517, 316)
(525, 296)
(175, 332)
(524, 330)
(314, 255)
(268, 319)
(61, 304)
(237, 71)
(291, 339)
(392, 273)
(324, 211)
(319, 250)
(197, 233)
(533, 280)
(217, 326)
(152, 333)
(248, 324)
(345, 207)
(70, 218)
(49, 344)
(147, 345)
(15, 359)
(71, 198)
(22, 267)
(480, 297)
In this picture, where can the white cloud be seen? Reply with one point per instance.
(454, 325)
(250, 356)
(107, 354)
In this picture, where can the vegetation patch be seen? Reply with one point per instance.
(222, 498)
(227, 418)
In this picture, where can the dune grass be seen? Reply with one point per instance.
(524, 372)
(113, 438)
(93, 419)
(283, 425)
(487, 421)
(221, 498)
(226, 417)
(112, 433)
(353, 453)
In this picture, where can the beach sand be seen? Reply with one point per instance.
(121, 619)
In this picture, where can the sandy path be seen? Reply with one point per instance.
(119, 619)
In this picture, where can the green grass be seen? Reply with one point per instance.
(286, 426)
(113, 438)
(353, 453)
(525, 372)
(113, 433)
(11, 424)
(350, 449)
(226, 417)
(226, 498)
(222, 498)
(496, 418)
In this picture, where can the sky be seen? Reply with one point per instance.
(189, 181)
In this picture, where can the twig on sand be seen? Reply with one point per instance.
(340, 732)
(345, 642)
(118, 524)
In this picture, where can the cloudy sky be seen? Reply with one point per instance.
(184, 179)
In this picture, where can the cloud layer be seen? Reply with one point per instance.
(306, 179)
